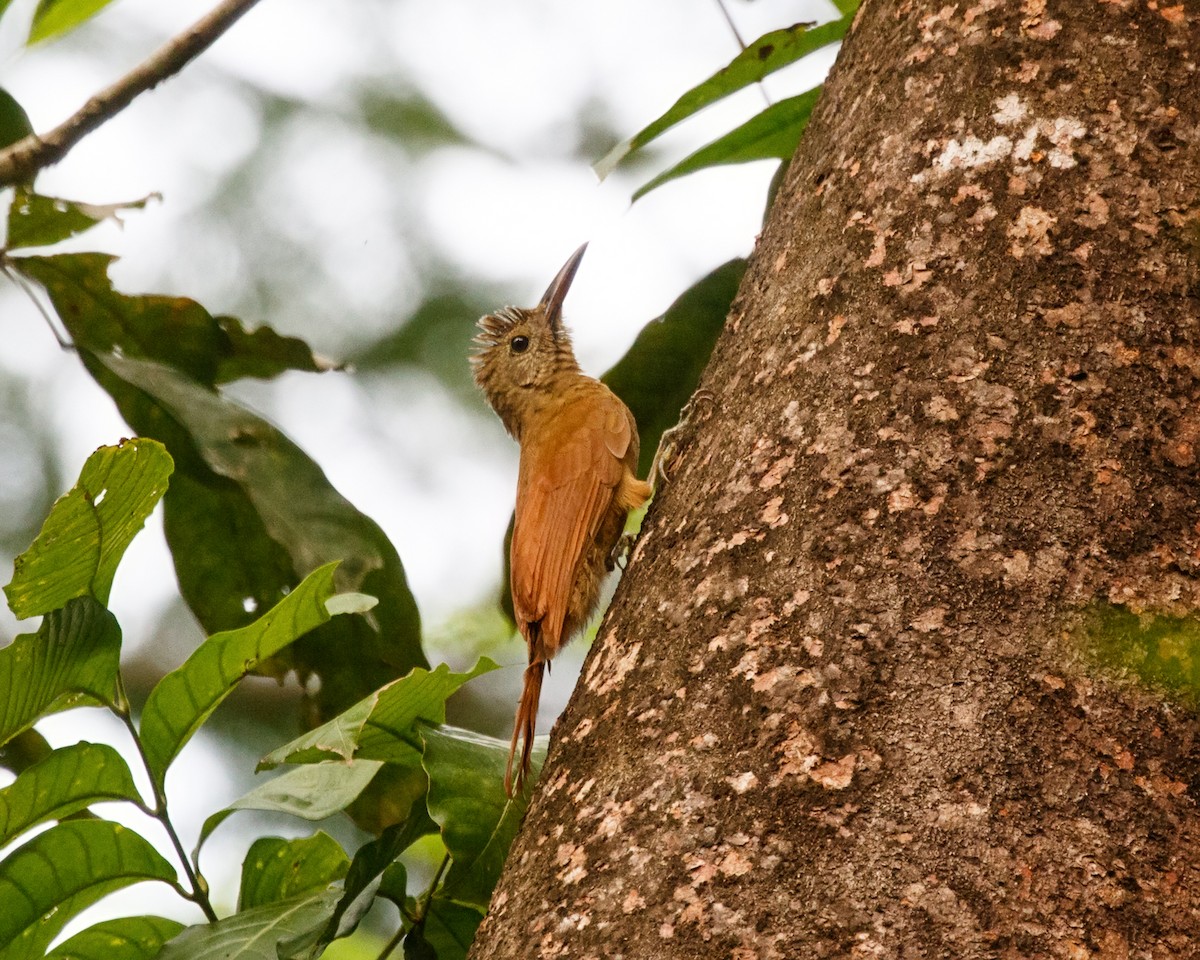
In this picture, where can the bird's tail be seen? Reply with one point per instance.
(524, 726)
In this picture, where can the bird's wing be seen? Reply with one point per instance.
(568, 474)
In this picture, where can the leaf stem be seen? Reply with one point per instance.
(393, 943)
(418, 920)
(199, 891)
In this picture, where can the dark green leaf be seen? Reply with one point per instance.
(185, 697)
(128, 938)
(37, 221)
(14, 121)
(764, 56)
(78, 861)
(363, 878)
(248, 513)
(450, 927)
(255, 934)
(416, 947)
(276, 869)
(24, 750)
(413, 122)
(772, 134)
(660, 371)
(174, 331)
(54, 17)
(313, 791)
(382, 725)
(71, 660)
(88, 529)
(68, 780)
(393, 885)
(248, 508)
(467, 799)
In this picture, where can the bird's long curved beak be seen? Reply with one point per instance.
(556, 293)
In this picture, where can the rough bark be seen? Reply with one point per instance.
(845, 703)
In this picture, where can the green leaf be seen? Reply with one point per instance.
(416, 947)
(55, 17)
(79, 861)
(255, 934)
(185, 697)
(382, 725)
(14, 121)
(248, 513)
(364, 878)
(72, 660)
(24, 750)
(393, 884)
(88, 529)
(128, 938)
(67, 781)
(764, 56)
(772, 134)
(662, 368)
(450, 928)
(174, 331)
(252, 509)
(276, 869)
(467, 800)
(411, 121)
(314, 792)
(38, 221)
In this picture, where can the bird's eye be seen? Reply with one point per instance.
(519, 344)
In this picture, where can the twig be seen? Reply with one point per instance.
(199, 886)
(737, 35)
(19, 162)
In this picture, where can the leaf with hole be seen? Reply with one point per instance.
(71, 661)
(70, 779)
(44, 882)
(185, 697)
(248, 513)
(38, 221)
(82, 541)
(247, 510)
(174, 331)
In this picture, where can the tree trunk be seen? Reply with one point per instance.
(851, 698)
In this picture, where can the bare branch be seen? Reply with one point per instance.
(23, 159)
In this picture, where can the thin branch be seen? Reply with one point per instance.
(737, 35)
(19, 162)
(199, 892)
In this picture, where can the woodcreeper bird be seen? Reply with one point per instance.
(576, 482)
